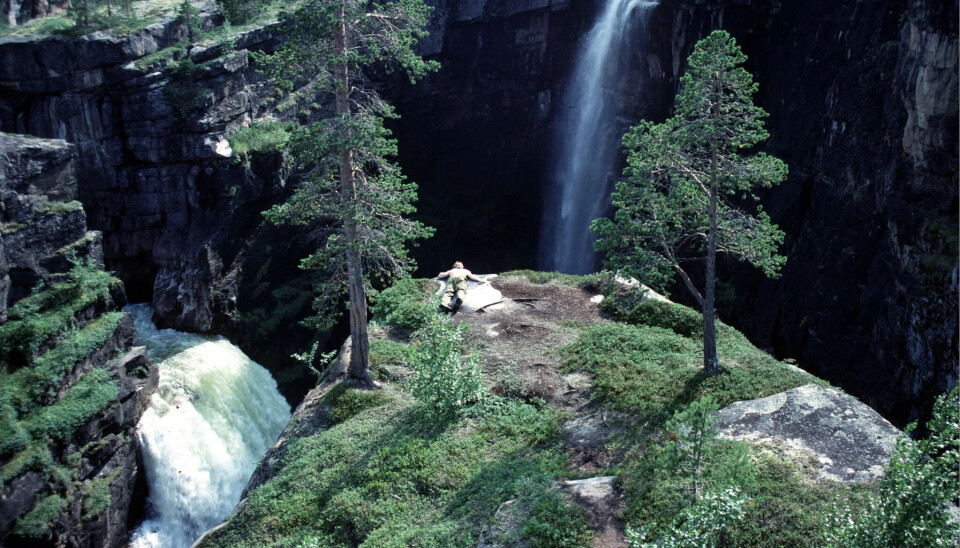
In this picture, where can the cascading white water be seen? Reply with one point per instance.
(214, 414)
(587, 142)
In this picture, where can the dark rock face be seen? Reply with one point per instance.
(42, 229)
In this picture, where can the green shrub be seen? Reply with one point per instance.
(96, 494)
(12, 437)
(37, 319)
(685, 462)
(37, 522)
(31, 386)
(700, 525)
(632, 308)
(183, 92)
(445, 380)
(405, 305)
(259, 137)
(91, 394)
(555, 523)
(910, 510)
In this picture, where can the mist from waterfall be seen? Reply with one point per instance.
(588, 140)
(214, 414)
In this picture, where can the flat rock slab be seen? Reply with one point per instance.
(849, 440)
(478, 295)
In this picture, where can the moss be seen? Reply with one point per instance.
(345, 402)
(653, 371)
(96, 494)
(387, 477)
(30, 387)
(633, 309)
(38, 521)
(94, 392)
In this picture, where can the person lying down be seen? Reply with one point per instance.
(456, 288)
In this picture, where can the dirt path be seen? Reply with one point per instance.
(518, 341)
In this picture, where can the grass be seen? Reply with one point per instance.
(93, 393)
(385, 476)
(651, 371)
(40, 519)
(574, 280)
(260, 137)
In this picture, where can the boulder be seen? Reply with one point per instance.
(849, 441)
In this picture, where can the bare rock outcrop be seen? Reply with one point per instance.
(848, 440)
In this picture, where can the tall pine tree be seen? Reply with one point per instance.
(691, 182)
(353, 195)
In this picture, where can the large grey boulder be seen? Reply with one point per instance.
(849, 440)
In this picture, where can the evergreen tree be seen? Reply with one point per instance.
(689, 182)
(353, 196)
(189, 17)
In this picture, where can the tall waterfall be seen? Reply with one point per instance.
(587, 141)
(215, 413)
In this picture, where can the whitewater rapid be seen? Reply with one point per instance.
(214, 414)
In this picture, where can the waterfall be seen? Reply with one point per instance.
(587, 142)
(214, 414)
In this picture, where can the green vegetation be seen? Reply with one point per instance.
(445, 380)
(390, 476)
(39, 520)
(910, 509)
(239, 12)
(260, 137)
(556, 523)
(345, 403)
(652, 372)
(405, 305)
(355, 196)
(688, 180)
(575, 280)
(631, 307)
(90, 395)
(96, 494)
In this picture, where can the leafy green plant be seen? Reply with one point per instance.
(347, 402)
(405, 305)
(555, 523)
(691, 459)
(910, 510)
(90, 395)
(445, 380)
(700, 525)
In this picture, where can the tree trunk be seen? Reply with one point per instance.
(359, 369)
(711, 364)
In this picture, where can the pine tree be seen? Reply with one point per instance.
(691, 182)
(353, 196)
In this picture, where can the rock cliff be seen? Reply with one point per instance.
(73, 387)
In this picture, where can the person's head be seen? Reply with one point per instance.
(458, 264)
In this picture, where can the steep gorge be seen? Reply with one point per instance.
(862, 99)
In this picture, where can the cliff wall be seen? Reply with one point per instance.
(73, 387)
